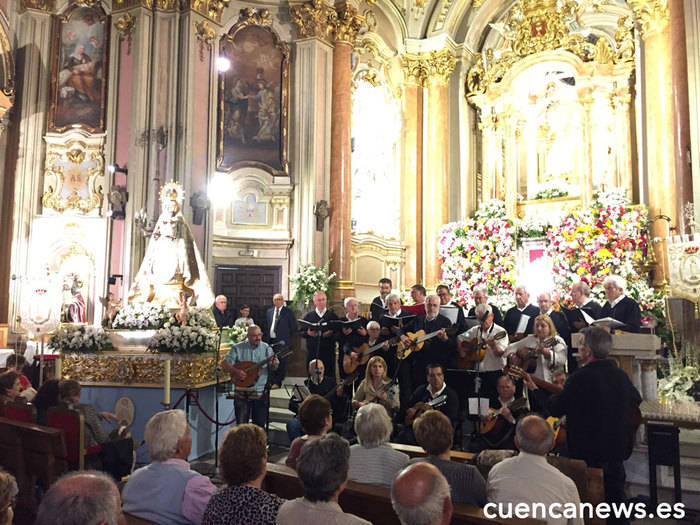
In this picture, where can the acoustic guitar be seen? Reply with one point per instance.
(252, 369)
(559, 429)
(418, 339)
(422, 407)
(495, 429)
(526, 356)
(364, 353)
(471, 351)
(515, 372)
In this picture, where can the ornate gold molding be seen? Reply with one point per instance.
(212, 9)
(348, 24)
(205, 34)
(125, 26)
(434, 67)
(476, 4)
(40, 5)
(652, 15)
(314, 19)
(257, 17)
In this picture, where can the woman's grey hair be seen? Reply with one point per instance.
(84, 497)
(323, 465)
(372, 425)
(616, 281)
(534, 435)
(598, 340)
(429, 510)
(163, 431)
(392, 297)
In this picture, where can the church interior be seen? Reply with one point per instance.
(153, 151)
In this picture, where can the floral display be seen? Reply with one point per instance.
(79, 339)
(196, 335)
(551, 190)
(141, 316)
(309, 280)
(237, 334)
(683, 379)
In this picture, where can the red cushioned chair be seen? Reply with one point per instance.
(72, 422)
(24, 412)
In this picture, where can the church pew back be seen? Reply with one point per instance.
(414, 451)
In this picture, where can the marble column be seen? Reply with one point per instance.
(348, 24)
(692, 27)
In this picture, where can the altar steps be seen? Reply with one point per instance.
(280, 414)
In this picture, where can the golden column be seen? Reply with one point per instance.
(347, 26)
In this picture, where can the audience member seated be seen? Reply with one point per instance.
(323, 471)
(10, 386)
(167, 491)
(420, 495)
(376, 387)
(373, 460)
(69, 395)
(243, 460)
(46, 397)
(8, 492)
(80, 498)
(434, 433)
(17, 362)
(316, 419)
(528, 478)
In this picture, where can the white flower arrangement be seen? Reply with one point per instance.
(141, 316)
(195, 336)
(611, 197)
(309, 280)
(79, 339)
(551, 190)
(237, 334)
(683, 379)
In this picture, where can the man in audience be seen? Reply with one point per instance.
(379, 307)
(528, 478)
(480, 297)
(520, 320)
(167, 491)
(619, 306)
(80, 498)
(599, 401)
(322, 468)
(420, 495)
(222, 316)
(320, 340)
(281, 325)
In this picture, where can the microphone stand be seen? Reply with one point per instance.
(217, 377)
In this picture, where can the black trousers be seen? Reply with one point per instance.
(614, 477)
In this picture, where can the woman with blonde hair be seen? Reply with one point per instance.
(376, 387)
(545, 348)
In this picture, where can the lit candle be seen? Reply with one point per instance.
(166, 385)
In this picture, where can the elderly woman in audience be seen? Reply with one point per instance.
(376, 387)
(45, 398)
(373, 460)
(69, 395)
(434, 433)
(316, 418)
(243, 460)
(8, 491)
(10, 386)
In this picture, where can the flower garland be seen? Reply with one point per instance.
(79, 339)
(141, 316)
(196, 335)
(309, 280)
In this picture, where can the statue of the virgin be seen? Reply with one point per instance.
(172, 269)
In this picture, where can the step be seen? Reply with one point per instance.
(280, 415)
(277, 434)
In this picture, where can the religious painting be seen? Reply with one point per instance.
(79, 77)
(249, 211)
(253, 101)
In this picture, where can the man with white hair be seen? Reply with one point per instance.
(167, 491)
(420, 495)
(81, 498)
(281, 326)
(520, 320)
(481, 297)
(320, 340)
(353, 331)
(528, 478)
(222, 316)
(619, 306)
(581, 296)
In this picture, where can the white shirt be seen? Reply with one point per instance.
(614, 303)
(528, 478)
(545, 365)
(491, 361)
(438, 393)
(321, 314)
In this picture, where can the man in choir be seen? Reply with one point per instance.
(447, 304)
(222, 316)
(281, 326)
(481, 297)
(544, 301)
(351, 335)
(619, 306)
(394, 310)
(373, 338)
(505, 396)
(378, 307)
(520, 320)
(320, 342)
(581, 295)
(418, 294)
(486, 331)
(598, 401)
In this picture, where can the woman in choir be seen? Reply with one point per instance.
(376, 387)
(544, 348)
(10, 386)
(243, 460)
(316, 418)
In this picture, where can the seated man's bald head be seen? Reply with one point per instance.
(420, 495)
(534, 435)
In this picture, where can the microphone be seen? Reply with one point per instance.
(278, 343)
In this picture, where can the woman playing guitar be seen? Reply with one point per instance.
(376, 387)
(540, 353)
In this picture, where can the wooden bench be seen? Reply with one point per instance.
(414, 451)
(130, 519)
(370, 502)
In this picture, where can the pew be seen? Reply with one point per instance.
(414, 451)
(370, 502)
(130, 519)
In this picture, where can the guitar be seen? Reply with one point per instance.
(515, 372)
(559, 429)
(422, 407)
(470, 351)
(418, 339)
(526, 356)
(380, 390)
(252, 369)
(495, 429)
(364, 352)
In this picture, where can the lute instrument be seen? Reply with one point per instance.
(495, 429)
(364, 353)
(515, 372)
(252, 369)
(471, 351)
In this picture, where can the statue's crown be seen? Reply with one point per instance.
(172, 191)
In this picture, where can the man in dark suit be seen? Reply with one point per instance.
(598, 401)
(351, 335)
(581, 295)
(222, 316)
(281, 326)
(379, 307)
(320, 341)
(481, 297)
(513, 317)
(619, 306)
(448, 305)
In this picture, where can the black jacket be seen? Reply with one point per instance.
(512, 319)
(626, 311)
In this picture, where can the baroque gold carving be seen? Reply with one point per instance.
(348, 24)
(205, 34)
(125, 26)
(41, 5)
(652, 15)
(314, 19)
(258, 17)
(436, 66)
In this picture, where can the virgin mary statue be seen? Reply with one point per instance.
(172, 269)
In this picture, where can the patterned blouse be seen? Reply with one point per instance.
(242, 504)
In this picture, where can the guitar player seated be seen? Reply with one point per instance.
(250, 401)
(498, 426)
(433, 395)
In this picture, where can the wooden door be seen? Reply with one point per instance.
(251, 285)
